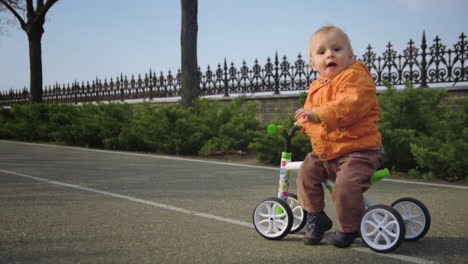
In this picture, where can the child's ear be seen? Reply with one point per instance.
(351, 58)
(312, 64)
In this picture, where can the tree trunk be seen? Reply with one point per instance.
(188, 39)
(34, 28)
(35, 63)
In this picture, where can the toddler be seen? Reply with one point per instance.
(341, 117)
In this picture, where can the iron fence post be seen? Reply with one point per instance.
(226, 81)
(75, 94)
(276, 76)
(423, 62)
(151, 83)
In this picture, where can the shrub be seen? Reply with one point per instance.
(143, 131)
(185, 134)
(443, 151)
(26, 122)
(62, 118)
(231, 127)
(98, 125)
(207, 128)
(168, 129)
(6, 118)
(406, 115)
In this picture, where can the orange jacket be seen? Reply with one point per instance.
(348, 110)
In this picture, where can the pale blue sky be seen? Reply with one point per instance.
(87, 39)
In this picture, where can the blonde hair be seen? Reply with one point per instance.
(329, 28)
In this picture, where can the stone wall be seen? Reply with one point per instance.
(270, 107)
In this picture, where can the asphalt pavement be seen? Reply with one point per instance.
(75, 205)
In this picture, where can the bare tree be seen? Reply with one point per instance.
(33, 25)
(188, 41)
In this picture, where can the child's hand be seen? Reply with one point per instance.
(303, 131)
(306, 115)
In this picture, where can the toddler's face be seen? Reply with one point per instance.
(330, 53)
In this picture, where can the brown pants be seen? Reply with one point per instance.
(351, 173)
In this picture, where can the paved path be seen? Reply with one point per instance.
(75, 205)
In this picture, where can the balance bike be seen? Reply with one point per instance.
(383, 228)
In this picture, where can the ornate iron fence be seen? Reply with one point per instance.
(424, 65)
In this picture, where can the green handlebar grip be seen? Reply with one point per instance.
(273, 129)
(378, 175)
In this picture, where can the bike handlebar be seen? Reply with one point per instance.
(276, 129)
(273, 129)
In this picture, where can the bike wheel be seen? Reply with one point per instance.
(416, 217)
(272, 218)
(299, 214)
(382, 228)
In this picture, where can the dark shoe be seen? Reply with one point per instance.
(316, 225)
(343, 239)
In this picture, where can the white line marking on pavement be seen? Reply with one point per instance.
(133, 199)
(215, 162)
(190, 212)
(396, 256)
(427, 184)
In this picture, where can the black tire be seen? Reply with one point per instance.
(264, 213)
(382, 221)
(299, 221)
(413, 233)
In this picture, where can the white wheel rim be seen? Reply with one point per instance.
(413, 216)
(298, 213)
(268, 221)
(380, 229)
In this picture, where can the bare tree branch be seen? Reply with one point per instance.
(13, 11)
(43, 9)
(39, 4)
(15, 4)
(30, 9)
